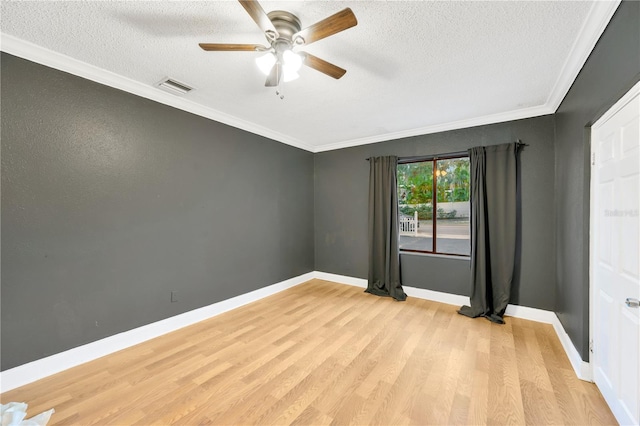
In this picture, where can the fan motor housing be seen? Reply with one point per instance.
(287, 24)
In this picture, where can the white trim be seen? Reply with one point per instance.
(597, 20)
(340, 279)
(438, 128)
(436, 296)
(420, 293)
(531, 314)
(41, 55)
(621, 103)
(27, 373)
(581, 368)
(592, 361)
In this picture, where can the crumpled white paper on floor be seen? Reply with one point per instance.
(14, 413)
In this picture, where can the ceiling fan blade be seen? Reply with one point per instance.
(323, 66)
(231, 47)
(274, 76)
(329, 26)
(260, 17)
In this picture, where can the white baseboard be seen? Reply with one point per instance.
(340, 279)
(35, 370)
(581, 368)
(436, 296)
(531, 314)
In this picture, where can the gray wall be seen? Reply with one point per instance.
(111, 201)
(341, 191)
(612, 68)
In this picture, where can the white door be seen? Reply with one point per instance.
(615, 258)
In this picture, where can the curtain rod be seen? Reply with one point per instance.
(518, 142)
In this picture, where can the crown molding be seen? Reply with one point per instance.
(49, 58)
(597, 20)
(437, 128)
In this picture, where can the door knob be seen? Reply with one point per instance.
(632, 303)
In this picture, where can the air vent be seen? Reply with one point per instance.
(174, 86)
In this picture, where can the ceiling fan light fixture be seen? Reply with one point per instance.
(284, 32)
(266, 62)
(291, 66)
(292, 60)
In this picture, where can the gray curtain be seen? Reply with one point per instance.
(384, 252)
(493, 229)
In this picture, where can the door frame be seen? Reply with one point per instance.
(621, 103)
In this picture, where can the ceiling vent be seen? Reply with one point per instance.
(173, 86)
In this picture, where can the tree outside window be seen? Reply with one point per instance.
(445, 180)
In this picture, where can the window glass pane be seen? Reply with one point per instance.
(452, 206)
(415, 197)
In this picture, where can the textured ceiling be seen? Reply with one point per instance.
(412, 66)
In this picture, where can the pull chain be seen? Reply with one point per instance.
(279, 92)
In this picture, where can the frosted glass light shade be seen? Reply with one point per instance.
(292, 60)
(292, 63)
(266, 62)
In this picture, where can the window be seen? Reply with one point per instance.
(437, 185)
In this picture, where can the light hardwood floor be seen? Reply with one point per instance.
(325, 353)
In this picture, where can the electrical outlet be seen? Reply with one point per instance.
(174, 296)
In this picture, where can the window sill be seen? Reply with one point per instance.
(440, 255)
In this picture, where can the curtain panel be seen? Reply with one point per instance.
(493, 229)
(384, 251)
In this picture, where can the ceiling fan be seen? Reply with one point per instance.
(282, 30)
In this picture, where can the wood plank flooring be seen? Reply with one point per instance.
(324, 353)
